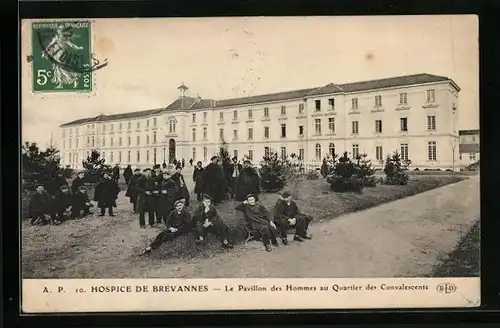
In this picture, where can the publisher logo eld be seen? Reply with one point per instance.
(446, 288)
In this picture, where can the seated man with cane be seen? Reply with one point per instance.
(287, 216)
(259, 221)
(178, 223)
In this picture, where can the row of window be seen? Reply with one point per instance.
(91, 141)
(110, 127)
(379, 153)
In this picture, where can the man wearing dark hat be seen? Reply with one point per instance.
(157, 177)
(248, 181)
(169, 192)
(213, 181)
(41, 206)
(146, 199)
(132, 192)
(287, 215)
(178, 223)
(259, 221)
(80, 203)
(79, 181)
(198, 180)
(127, 174)
(207, 219)
(106, 193)
(62, 204)
(234, 176)
(181, 184)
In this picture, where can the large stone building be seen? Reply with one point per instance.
(415, 115)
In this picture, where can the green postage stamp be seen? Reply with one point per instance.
(62, 56)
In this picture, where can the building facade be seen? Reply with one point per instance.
(415, 115)
(469, 147)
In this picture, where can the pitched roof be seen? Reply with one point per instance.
(394, 82)
(468, 132)
(197, 103)
(468, 148)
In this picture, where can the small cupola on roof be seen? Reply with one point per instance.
(182, 88)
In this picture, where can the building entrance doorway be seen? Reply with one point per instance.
(171, 151)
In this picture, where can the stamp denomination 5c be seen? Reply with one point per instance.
(62, 56)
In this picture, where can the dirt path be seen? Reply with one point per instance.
(402, 238)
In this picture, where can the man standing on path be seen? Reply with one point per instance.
(132, 191)
(116, 173)
(106, 193)
(127, 174)
(259, 221)
(286, 216)
(234, 177)
(179, 222)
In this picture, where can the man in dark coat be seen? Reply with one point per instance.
(181, 183)
(132, 191)
(81, 204)
(63, 203)
(146, 199)
(287, 215)
(41, 206)
(191, 162)
(233, 177)
(178, 223)
(106, 193)
(127, 174)
(169, 193)
(157, 177)
(207, 219)
(259, 221)
(213, 181)
(198, 180)
(183, 163)
(79, 181)
(248, 182)
(116, 173)
(55, 184)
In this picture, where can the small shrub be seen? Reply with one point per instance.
(312, 175)
(396, 170)
(94, 166)
(276, 172)
(366, 172)
(344, 174)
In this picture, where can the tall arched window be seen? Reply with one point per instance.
(205, 151)
(318, 152)
(331, 148)
(171, 125)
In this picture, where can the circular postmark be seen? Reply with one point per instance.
(61, 49)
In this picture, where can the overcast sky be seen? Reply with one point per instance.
(232, 57)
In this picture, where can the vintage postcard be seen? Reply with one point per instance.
(250, 163)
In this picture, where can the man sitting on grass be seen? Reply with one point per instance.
(178, 223)
(41, 208)
(62, 204)
(81, 203)
(287, 216)
(207, 219)
(259, 221)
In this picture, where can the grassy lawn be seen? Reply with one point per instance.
(103, 246)
(463, 261)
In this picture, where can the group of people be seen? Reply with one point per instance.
(166, 199)
(56, 202)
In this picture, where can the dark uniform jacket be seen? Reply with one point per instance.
(106, 193)
(127, 173)
(62, 201)
(255, 215)
(169, 193)
(76, 184)
(54, 185)
(182, 221)
(146, 203)
(40, 204)
(132, 191)
(80, 201)
(214, 182)
(116, 173)
(181, 184)
(200, 216)
(285, 211)
(198, 179)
